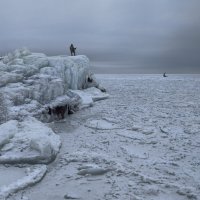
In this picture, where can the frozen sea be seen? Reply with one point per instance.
(142, 143)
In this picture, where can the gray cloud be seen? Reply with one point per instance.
(156, 34)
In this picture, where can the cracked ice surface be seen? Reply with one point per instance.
(21, 143)
(143, 143)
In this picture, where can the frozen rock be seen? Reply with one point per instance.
(91, 94)
(32, 142)
(92, 170)
(71, 196)
(25, 75)
(86, 100)
(9, 77)
(39, 60)
(17, 54)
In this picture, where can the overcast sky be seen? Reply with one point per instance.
(153, 34)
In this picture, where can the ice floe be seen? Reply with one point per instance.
(28, 141)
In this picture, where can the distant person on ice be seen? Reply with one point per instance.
(72, 50)
(164, 75)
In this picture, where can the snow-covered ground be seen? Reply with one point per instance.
(142, 143)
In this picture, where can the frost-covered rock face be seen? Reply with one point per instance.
(35, 79)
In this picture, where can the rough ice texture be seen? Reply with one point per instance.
(29, 141)
(33, 175)
(29, 84)
(90, 95)
(31, 80)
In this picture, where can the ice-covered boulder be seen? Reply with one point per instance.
(89, 96)
(9, 77)
(73, 71)
(35, 80)
(29, 141)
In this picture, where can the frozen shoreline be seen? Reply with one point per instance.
(142, 143)
(33, 85)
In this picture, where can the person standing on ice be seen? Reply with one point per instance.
(72, 50)
(164, 75)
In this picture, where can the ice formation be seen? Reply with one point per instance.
(30, 84)
(33, 175)
(30, 80)
(29, 141)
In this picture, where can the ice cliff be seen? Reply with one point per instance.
(29, 81)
